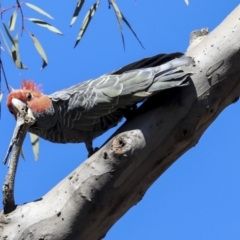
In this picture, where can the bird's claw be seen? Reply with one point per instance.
(94, 150)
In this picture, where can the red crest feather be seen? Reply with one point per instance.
(30, 85)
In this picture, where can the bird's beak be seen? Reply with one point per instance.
(20, 106)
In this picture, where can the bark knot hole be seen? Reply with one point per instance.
(105, 155)
(118, 145)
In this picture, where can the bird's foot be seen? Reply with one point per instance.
(94, 150)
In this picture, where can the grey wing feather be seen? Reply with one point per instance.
(99, 103)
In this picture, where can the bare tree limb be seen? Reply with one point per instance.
(87, 203)
(8, 186)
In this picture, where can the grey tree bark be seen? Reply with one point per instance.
(87, 203)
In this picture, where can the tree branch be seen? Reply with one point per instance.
(91, 199)
(23, 123)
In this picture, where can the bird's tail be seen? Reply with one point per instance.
(168, 77)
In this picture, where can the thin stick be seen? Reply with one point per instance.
(16, 133)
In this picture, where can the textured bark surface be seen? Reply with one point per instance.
(91, 199)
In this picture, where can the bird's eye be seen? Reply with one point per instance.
(29, 96)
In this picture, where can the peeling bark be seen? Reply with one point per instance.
(92, 198)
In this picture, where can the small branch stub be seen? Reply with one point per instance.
(118, 145)
(198, 34)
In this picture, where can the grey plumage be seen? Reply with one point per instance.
(86, 110)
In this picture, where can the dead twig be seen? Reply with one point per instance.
(24, 121)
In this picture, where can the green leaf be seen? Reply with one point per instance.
(6, 44)
(127, 23)
(8, 33)
(40, 50)
(22, 154)
(16, 54)
(117, 12)
(45, 25)
(76, 12)
(35, 145)
(86, 21)
(12, 21)
(120, 18)
(1, 96)
(39, 10)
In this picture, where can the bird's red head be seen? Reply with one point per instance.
(30, 95)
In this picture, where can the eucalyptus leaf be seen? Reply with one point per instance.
(117, 12)
(6, 44)
(35, 145)
(86, 21)
(22, 154)
(39, 10)
(76, 12)
(44, 24)
(120, 18)
(8, 33)
(12, 21)
(133, 32)
(16, 54)
(40, 50)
